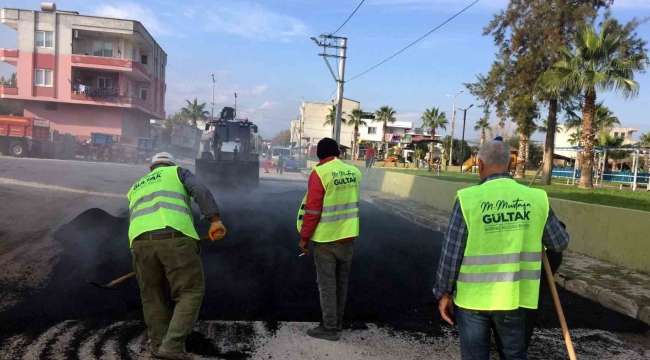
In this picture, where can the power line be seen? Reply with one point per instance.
(350, 17)
(413, 43)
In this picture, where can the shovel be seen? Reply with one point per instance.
(556, 297)
(110, 285)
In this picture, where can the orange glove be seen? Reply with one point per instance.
(217, 231)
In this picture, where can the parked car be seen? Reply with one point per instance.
(291, 164)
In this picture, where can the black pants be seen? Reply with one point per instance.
(555, 260)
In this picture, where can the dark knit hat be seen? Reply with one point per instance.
(327, 147)
(498, 138)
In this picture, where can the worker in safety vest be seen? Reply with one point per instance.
(491, 262)
(164, 246)
(329, 216)
(555, 260)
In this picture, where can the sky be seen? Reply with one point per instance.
(262, 51)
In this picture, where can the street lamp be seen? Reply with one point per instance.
(453, 125)
(462, 148)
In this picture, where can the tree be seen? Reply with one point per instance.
(446, 145)
(330, 119)
(482, 125)
(385, 115)
(11, 107)
(597, 62)
(526, 33)
(168, 126)
(195, 111)
(283, 138)
(604, 119)
(608, 141)
(434, 119)
(544, 127)
(356, 119)
(645, 140)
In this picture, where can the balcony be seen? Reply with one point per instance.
(9, 56)
(136, 69)
(110, 97)
(8, 90)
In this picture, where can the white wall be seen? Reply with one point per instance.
(314, 115)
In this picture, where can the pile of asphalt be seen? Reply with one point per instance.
(255, 274)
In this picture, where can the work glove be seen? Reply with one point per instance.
(217, 231)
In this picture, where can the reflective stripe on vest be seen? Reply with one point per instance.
(159, 200)
(339, 218)
(500, 276)
(156, 194)
(501, 266)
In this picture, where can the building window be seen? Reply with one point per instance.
(143, 59)
(128, 88)
(102, 48)
(43, 77)
(104, 82)
(133, 53)
(43, 39)
(372, 130)
(51, 106)
(143, 93)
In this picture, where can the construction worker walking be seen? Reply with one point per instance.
(490, 266)
(164, 247)
(329, 216)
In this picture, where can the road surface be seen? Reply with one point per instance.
(64, 223)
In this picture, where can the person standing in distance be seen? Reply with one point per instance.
(491, 261)
(329, 216)
(164, 247)
(370, 156)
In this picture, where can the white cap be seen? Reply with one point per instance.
(162, 158)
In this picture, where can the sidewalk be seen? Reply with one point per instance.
(614, 287)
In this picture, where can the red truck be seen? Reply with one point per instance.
(18, 134)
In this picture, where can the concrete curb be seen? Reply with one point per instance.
(605, 297)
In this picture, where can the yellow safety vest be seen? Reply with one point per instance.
(159, 200)
(501, 266)
(340, 215)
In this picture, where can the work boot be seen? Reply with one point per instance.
(322, 333)
(180, 355)
(152, 348)
(339, 326)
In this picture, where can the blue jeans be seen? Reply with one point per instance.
(369, 162)
(474, 333)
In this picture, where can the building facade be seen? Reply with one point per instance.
(86, 74)
(313, 116)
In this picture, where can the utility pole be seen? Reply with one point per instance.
(213, 83)
(302, 122)
(329, 41)
(453, 125)
(462, 148)
(235, 106)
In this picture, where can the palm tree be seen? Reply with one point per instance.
(330, 119)
(355, 119)
(432, 120)
(595, 62)
(195, 111)
(608, 141)
(482, 125)
(385, 115)
(544, 127)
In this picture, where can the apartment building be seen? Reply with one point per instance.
(84, 73)
(313, 117)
